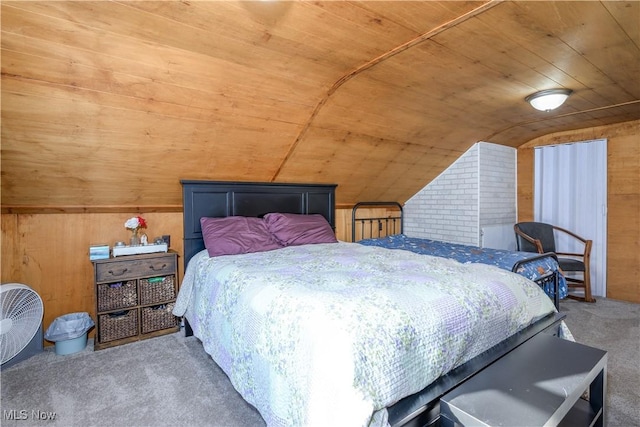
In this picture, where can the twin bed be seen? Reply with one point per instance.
(313, 331)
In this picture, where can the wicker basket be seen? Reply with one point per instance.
(157, 289)
(114, 296)
(114, 326)
(158, 317)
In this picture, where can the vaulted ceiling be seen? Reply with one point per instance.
(110, 104)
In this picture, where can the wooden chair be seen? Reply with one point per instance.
(539, 237)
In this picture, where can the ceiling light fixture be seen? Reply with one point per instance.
(547, 100)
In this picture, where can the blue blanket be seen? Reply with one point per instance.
(473, 254)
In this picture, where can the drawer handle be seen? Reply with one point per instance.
(118, 314)
(118, 274)
(157, 269)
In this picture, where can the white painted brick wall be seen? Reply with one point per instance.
(478, 189)
(447, 208)
(497, 196)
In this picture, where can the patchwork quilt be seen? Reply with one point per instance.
(332, 334)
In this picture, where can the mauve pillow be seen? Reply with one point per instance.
(294, 229)
(236, 235)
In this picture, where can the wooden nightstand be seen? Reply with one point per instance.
(135, 296)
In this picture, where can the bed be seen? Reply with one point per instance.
(386, 230)
(329, 333)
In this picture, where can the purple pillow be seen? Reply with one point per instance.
(294, 229)
(236, 235)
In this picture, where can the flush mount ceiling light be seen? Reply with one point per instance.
(547, 100)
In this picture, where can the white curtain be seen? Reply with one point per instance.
(570, 191)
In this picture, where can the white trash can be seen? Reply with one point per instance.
(69, 332)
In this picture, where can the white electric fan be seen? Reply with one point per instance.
(21, 312)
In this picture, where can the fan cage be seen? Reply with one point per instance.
(21, 312)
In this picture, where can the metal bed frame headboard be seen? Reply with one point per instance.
(388, 224)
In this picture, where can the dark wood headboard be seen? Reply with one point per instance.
(220, 199)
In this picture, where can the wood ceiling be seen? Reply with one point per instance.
(109, 104)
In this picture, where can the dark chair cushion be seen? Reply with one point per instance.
(568, 264)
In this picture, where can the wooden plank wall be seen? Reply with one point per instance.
(623, 167)
(50, 251)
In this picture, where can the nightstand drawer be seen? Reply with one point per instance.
(114, 326)
(131, 269)
(156, 290)
(158, 317)
(117, 295)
